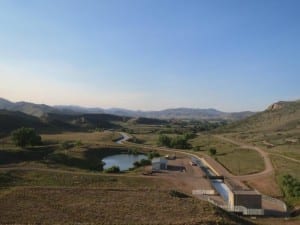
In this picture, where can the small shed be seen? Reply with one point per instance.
(159, 164)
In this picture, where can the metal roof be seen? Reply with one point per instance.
(159, 160)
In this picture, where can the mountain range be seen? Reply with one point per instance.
(40, 110)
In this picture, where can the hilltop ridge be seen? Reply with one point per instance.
(40, 110)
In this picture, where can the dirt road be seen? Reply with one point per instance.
(269, 170)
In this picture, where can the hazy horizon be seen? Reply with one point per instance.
(150, 55)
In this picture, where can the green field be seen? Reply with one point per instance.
(238, 161)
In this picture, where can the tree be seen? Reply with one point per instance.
(164, 140)
(212, 151)
(26, 136)
(179, 142)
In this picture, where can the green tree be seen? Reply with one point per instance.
(26, 136)
(180, 142)
(164, 140)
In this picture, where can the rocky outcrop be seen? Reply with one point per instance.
(275, 106)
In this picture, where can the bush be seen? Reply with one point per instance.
(212, 151)
(133, 152)
(290, 186)
(78, 143)
(142, 162)
(145, 162)
(136, 164)
(26, 136)
(152, 155)
(113, 169)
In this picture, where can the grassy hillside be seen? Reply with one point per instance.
(281, 116)
(88, 121)
(11, 120)
(277, 131)
(147, 121)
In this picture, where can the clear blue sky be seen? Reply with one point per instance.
(231, 55)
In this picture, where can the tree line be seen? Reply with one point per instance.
(179, 141)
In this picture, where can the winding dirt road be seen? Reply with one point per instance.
(269, 170)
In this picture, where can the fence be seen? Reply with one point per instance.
(203, 192)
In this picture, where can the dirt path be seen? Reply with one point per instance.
(286, 157)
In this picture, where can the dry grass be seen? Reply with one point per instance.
(62, 198)
(285, 166)
(103, 206)
(83, 137)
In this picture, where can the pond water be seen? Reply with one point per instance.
(123, 161)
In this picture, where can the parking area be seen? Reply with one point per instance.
(186, 177)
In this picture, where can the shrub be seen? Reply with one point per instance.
(152, 155)
(78, 143)
(142, 162)
(113, 169)
(133, 152)
(212, 151)
(290, 186)
(145, 162)
(136, 164)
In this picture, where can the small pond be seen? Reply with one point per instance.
(123, 161)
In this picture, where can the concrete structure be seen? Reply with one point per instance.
(159, 164)
(241, 196)
(246, 198)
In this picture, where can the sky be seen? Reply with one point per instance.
(232, 55)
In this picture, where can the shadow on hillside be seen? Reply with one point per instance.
(32, 154)
(91, 160)
(70, 161)
(9, 178)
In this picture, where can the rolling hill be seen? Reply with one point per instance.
(51, 122)
(10, 121)
(280, 116)
(29, 108)
(40, 110)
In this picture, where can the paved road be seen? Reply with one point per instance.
(125, 137)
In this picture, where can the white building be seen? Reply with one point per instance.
(159, 164)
